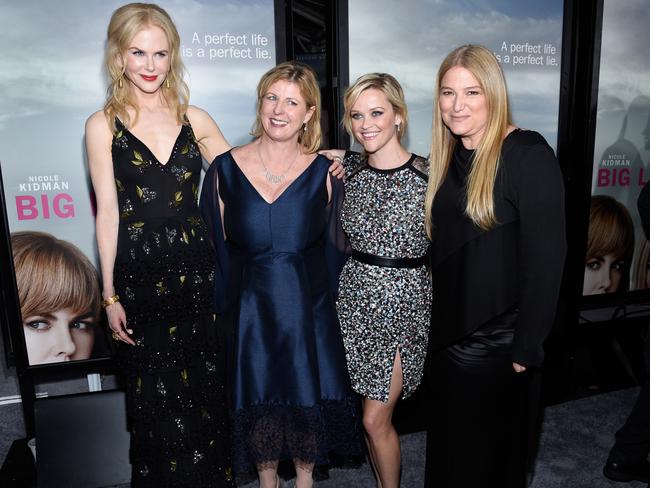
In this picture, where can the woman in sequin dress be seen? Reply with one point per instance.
(385, 291)
(157, 262)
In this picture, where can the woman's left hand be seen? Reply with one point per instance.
(518, 367)
(336, 156)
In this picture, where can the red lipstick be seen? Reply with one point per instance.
(149, 78)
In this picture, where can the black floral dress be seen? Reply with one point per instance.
(164, 272)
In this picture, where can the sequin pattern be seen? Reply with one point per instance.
(384, 310)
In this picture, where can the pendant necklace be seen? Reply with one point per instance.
(271, 177)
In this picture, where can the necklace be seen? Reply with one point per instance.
(272, 177)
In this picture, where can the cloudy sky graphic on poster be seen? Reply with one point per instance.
(409, 40)
(52, 80)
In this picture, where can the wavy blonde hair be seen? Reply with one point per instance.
(125, 24)
(479, 61)
(53, 274)
(305, 78)
(385, 83)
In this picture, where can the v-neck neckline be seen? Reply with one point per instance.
(151, 153)
(257, 192)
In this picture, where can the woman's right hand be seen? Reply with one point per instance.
(117, 323)
(336, 156)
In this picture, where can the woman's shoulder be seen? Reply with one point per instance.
(196, 112)
(220, 160)
(526, 154)
(526, 146)
(421, 165)
(97, 121)
(523, 139)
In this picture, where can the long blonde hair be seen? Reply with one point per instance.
(385, 83)
(125, 23)
(305, 78)
(479, 61)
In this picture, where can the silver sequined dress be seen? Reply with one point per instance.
(383, 310)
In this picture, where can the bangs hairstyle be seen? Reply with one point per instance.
(52, 274)
(385, 83)
(611, 230)
(305, 78)
(125, 24)
(479, 61)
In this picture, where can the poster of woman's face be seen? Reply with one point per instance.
(58, 289)
(610, 246)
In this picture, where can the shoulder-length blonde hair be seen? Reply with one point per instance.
(53, 274)
(125, 23)
(479, 61)
(385, 83)
(305, 78)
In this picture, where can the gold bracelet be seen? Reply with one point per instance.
(110, 301)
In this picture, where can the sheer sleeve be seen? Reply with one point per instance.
(337, 247)
(211, 213)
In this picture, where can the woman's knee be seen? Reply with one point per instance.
(376, 422)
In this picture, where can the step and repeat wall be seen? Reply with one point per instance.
(51, 81)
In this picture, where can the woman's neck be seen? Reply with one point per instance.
(151, 102)
(390, 156)
(278, 150)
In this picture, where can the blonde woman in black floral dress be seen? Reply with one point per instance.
(157, 263)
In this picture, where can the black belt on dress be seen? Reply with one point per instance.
(388, 262)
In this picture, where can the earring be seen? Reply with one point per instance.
(304, 127)
(397, 126)
(119, 82)
(167, 83)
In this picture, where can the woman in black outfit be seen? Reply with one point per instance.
(495, 207)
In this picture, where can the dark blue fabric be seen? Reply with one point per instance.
(275, 286)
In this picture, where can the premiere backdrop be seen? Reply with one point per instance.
(410, 39)
(52, 79)
(621, 151)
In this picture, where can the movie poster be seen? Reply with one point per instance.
(52, 79)
(617, 248)
(525, 36)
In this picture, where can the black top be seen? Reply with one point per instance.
(477, 274)
(643, 204)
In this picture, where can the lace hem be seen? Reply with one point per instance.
(266, 434)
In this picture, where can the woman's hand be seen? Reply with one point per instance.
(335, 155)
(518, 367)
(117, 323)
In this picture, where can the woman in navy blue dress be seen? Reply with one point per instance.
(272, 208)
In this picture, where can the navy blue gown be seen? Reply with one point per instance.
(290, 391)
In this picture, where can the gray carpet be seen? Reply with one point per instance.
(575, 440)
